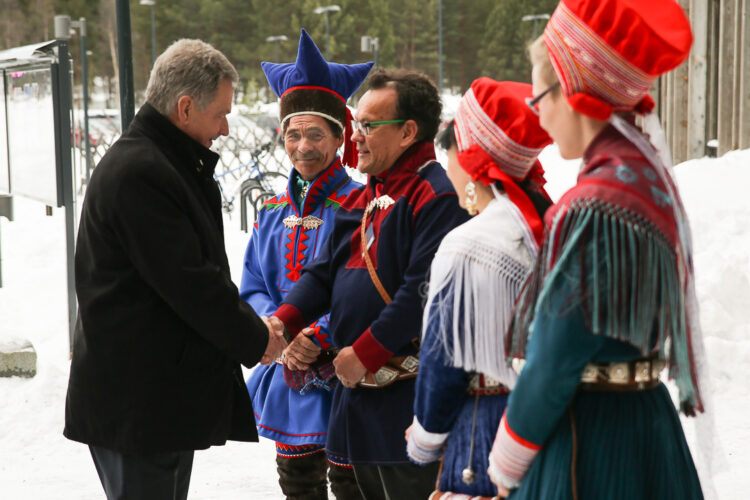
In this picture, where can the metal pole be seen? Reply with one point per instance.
(85, 86)
(125, 63)
(6, 210)
(440, 46)
(328, 39)
(153, 35)
(66, 106)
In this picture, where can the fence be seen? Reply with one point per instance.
(705, 103)
(250, 151)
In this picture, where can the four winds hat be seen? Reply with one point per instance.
(313, 86)
(607, 53)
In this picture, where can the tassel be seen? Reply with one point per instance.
(626, 280)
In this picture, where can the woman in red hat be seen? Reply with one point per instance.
(463, 380)
(611, 300)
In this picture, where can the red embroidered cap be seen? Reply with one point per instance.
(499, 139)
(494, 117)
(607, 53)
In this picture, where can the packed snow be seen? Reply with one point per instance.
(38, 463)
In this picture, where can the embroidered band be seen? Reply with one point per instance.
(473, 126)
(587, 64)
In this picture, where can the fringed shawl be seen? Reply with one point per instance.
(475, 278)
(615, 238)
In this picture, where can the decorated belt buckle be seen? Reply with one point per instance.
(384, 376)
(410, 364)
(618, 373)
(590, 374)
(642, 371)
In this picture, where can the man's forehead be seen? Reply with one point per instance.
(307, 121)
(377, 103)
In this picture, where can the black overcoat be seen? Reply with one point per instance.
(162, 330)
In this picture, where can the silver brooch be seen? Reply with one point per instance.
(307, 222)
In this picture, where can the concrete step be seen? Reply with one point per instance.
(17, 358)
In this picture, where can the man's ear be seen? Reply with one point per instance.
(409, 133)
(184, 109)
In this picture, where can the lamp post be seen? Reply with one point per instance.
(276, 39)
(371, 44)
(535, 18)
(326, 10)
(440, 46)
(152, 4)
(81, 25)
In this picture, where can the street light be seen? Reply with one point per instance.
(326, 10)
(370, 44)
(66, 25)
(276, 39)
(152, 4)
(440, 46)
(535, 18)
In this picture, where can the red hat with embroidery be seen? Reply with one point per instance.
(607, 53)
(499, 138)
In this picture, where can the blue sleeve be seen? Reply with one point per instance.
(440, 387)
(253, 286)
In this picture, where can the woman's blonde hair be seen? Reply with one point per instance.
(539, 56)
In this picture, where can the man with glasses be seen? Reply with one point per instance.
(292, 399)
(370, 276)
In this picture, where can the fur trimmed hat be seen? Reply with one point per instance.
(313, 86)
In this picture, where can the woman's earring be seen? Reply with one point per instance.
(471, 198)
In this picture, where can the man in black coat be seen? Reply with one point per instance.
(156, 372)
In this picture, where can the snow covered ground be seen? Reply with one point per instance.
(37, 462)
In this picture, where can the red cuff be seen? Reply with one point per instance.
(291, 317)
(371, 352)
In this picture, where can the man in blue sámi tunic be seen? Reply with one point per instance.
(292, 406)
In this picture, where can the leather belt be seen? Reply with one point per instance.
(635, 375)
(482, 385)
(395, 369)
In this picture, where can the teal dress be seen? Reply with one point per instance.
(609, 285)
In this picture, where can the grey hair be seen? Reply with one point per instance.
(188, 67)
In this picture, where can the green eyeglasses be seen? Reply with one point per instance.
(364, 128)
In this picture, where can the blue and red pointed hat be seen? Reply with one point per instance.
(312, 85)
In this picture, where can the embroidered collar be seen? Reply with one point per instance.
(411, 161)
(319, 189)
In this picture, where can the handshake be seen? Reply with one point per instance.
(276, 340)
(297, 354)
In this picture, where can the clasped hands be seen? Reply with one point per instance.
(301, 352)
(276, 341)
(297, 355)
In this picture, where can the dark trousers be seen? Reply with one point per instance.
(396, 482)
(304, 478)
(155, 476)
